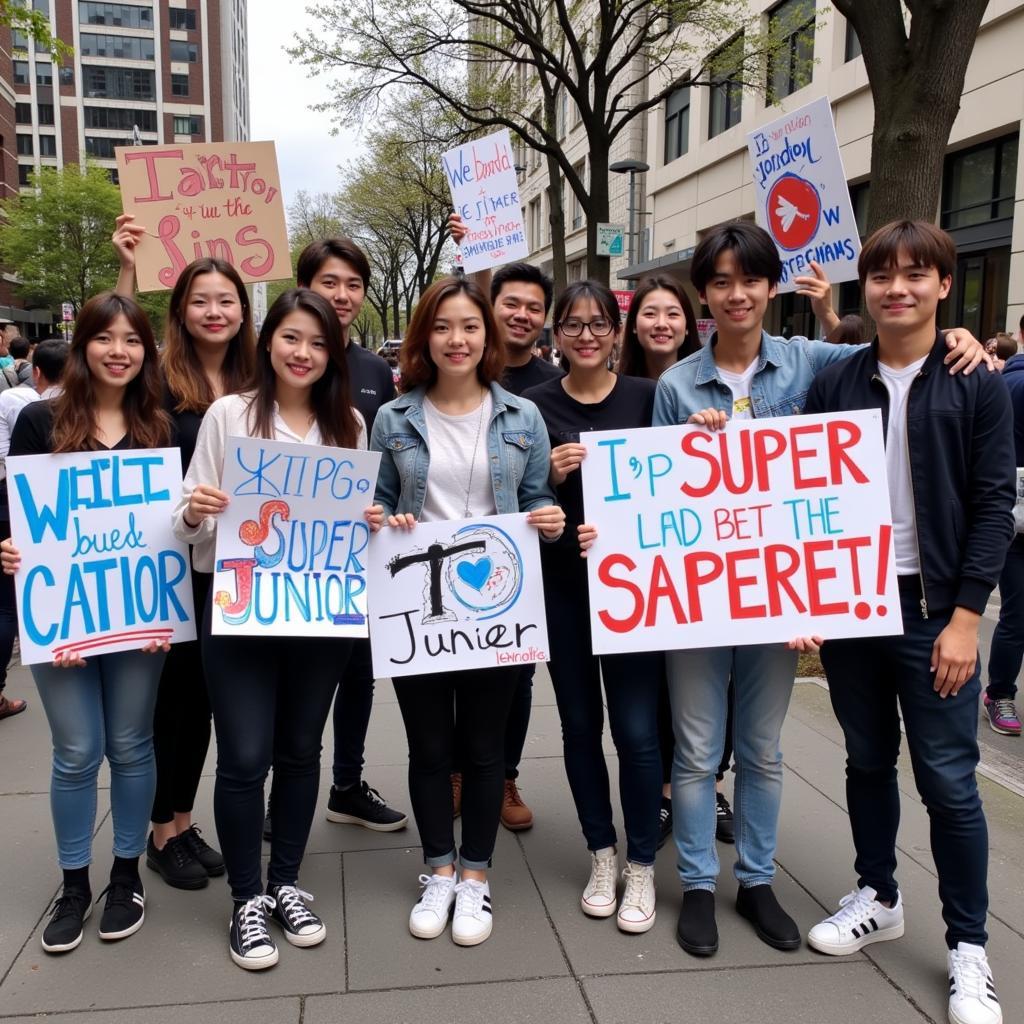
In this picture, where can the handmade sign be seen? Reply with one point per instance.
(456, 595)
(768, 530)
(101, 570)
(291, 545)
(485, 193)
(802, 198)
(218, 199)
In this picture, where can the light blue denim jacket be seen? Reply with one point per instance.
(785, 369)
(519, 454)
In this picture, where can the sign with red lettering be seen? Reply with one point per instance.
(218, 199)
(759, 533)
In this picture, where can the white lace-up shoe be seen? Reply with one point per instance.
(599, 895)
(429, 917)
(636, 911)
(473, 919)
(859, 921)
(972, 994)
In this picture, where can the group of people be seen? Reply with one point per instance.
(483, 427)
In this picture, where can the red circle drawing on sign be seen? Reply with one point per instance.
(794, 211)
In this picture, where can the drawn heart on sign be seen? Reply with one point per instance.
(475, 574)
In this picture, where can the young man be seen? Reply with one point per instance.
(950, 463)
(742, 373)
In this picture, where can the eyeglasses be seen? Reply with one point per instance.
(573, 328)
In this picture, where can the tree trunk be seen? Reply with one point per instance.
(596, 209)
(556, 202)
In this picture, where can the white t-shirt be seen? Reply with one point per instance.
(897, 467)
(739, 384)
(458, 460)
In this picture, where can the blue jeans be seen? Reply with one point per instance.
(698, 682)
(867, 678)
(106, 707)
(1007, 651)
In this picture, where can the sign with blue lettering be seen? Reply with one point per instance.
(291, 545)
(802, 199)
(457, 595)
(101, 570)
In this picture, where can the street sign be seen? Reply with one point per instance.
(610, 239)
(67, 311)
(623, 298)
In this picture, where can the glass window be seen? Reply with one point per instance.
(23, 113)
(979, 183)
(179, 85)
(44, 73)
(45, 112)
(182, 21)
(118, 83)
(859, 196)
(121, 15)
(185, 52)
(24, 170)
(25, 145)
(677, 123)
(726, 105)
(853, 49)
(188, 125)
(103, 148)
(790, 67)
(122, 47)
(120, 118)
(47, 145)
(21, 72)
(19, 41)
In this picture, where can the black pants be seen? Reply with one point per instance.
(8, 611)
(181, 724)
(481, 699)
(352, 706)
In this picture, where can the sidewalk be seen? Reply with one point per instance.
(545, 962)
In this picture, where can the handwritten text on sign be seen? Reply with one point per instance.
(803, 200)
(218, 199)
(291, 545)
(101, 570)
(456, 595)
(482, 177)
(762, 532)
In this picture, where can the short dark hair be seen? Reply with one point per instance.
(49, 358)
(316, 254)
(19, 347)
(579, 290)
(527, 273)
(922, 241)
(752, 246)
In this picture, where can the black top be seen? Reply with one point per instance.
(185, 426)
(33, 432)
(629, 404)
(537, 371)
(370, 382)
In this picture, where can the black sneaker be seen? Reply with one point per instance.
(268, 828)
(300, 925)
(725, 831)
(697, 930)
(664, 821)
(202, 851)
(252, 946)
(67, 920)
(124, 911)
(361, 805)
(175, 864)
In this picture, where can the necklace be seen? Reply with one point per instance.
(472, 461)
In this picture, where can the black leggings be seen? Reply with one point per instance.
(8, 607)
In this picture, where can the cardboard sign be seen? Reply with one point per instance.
(485, 194)
(803, 200)
(218, 199)
(760, 533)
(291, 545)
(457, 595)
(101, 570)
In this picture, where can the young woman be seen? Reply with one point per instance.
(270, 695)
(592, 397)
(451, 446)
(111, 400)
(209, 349)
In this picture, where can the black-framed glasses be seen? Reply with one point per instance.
(573, 327)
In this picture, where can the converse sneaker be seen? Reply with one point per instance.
(972, 995)
(361, 805)
(175, 863)
(664, 821)
(70, 911)
(472, 920)
(252, 946)
(300, 925)
(124, 911)
(1002, 716)
(212, 861)
(599, 896)
(725, 827)
(860, 920)
(429, 917)
(636, 911)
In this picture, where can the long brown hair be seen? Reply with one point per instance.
(186, 380)
(329, 396)
(632, 358)
(74, 410)
(414, 356)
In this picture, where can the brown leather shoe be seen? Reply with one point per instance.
(9, 708)
(456, 794)
(515, 815)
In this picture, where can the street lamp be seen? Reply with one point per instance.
(632, 168)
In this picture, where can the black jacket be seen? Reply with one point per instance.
(960, 436)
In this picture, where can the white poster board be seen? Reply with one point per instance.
(292, 543)
(485, 194)
(768, 530)
(456, 595)
(802, 198)
(101, 570)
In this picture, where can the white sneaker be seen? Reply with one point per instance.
(472, 920)
(636, 911)
(860, 920)
(972, 995)
(599, 895)
(429, 917)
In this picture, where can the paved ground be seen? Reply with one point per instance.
(545, 962)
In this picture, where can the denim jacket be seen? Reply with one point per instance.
(519, 454)
(785, 369)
